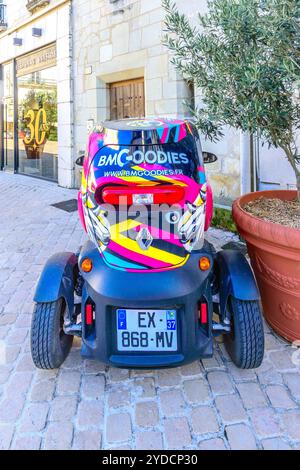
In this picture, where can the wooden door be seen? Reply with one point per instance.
(127, 99)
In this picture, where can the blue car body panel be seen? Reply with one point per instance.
(180, 289)
(57, 280)
(236, 278)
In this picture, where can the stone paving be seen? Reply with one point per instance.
(209, 404)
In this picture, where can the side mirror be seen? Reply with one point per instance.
(79, 160)
(209, 157)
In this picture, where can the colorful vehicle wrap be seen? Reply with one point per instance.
(149, 157)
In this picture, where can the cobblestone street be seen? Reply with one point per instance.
(209, 404)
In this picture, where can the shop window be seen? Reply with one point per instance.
(3, 21)
(127, 99)
(37, 123)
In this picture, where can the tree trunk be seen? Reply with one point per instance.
(291, 156)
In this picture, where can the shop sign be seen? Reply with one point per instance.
(38, 60)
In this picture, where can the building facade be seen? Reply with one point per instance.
(67, 65)
(36, 90)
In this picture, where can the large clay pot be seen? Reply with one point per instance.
(34, 152)
(275, 257)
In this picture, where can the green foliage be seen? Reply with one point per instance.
(223, 219)
(244, 56)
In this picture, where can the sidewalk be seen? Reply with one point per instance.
(209, 404)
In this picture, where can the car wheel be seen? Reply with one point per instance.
(245, 343)
(49, 343)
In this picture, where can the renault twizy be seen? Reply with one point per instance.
(146, 290)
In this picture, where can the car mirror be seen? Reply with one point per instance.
(79, 160)
(209, 157)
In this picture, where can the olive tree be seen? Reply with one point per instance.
(244, 56)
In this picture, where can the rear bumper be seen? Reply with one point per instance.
(181, 289)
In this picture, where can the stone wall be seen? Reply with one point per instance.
(65, 97)
(119, 40)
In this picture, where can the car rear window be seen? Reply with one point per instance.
(168, 159)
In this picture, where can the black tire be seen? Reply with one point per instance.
(49, 344)
(245, 344)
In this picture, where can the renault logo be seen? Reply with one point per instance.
(144, 238)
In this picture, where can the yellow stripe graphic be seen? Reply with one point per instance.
(128, 224)
(155, 253)
(133, 179)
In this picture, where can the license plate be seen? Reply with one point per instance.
(146, 330)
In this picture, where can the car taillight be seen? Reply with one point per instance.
(89, 314)
(126, 195)
(203, 312)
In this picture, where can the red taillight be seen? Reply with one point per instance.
(203, 313)
(126, 195)
(89, 317)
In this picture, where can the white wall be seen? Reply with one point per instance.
(16, 11)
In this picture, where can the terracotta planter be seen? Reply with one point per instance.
(275, 257)
(34, 153)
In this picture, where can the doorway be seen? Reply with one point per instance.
(28, 115)
(127, 99)
(8, 119)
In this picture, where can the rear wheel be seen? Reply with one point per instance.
(245, 343)
(49, 343)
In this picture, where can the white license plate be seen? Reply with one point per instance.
(146, 330)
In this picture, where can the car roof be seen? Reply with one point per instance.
(148, 130)
(140, 124)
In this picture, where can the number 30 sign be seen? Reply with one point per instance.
(37, 126)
